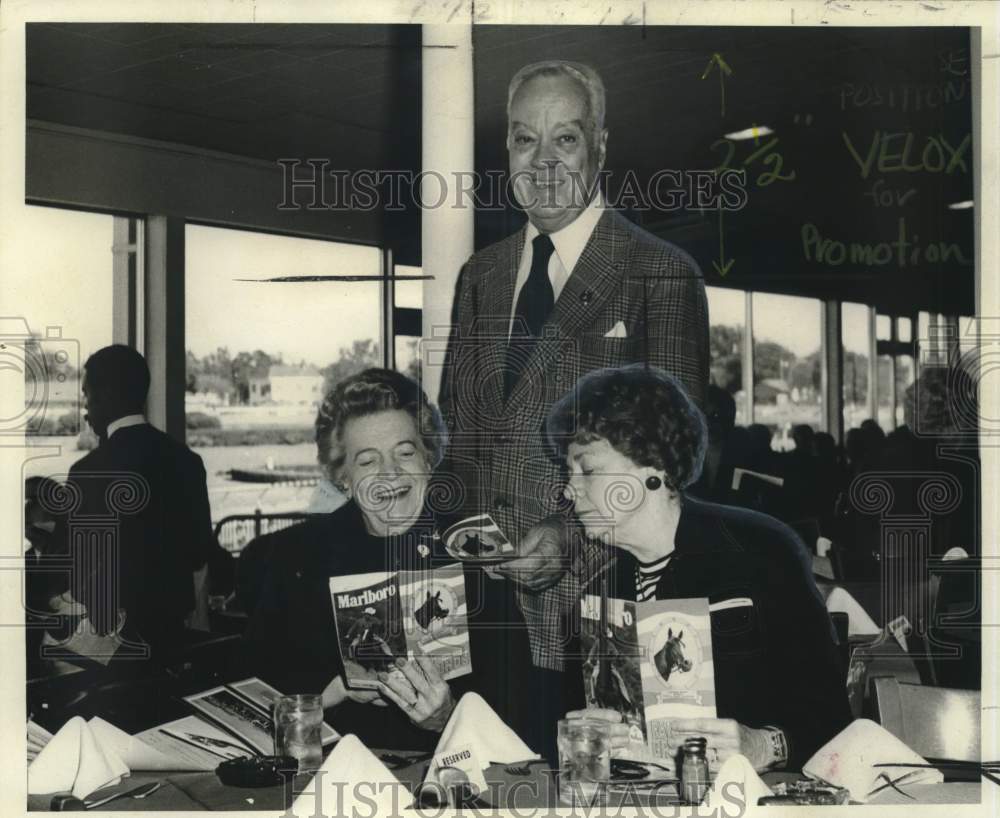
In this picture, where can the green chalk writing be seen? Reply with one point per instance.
(904, 251)
(891, 152)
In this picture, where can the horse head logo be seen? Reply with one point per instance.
(671, 656)
(430, 610)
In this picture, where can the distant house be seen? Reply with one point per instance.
(287, 384)
(259, 387)
(771, 390)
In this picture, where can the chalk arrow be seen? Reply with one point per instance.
(722, 266)
(724, 71)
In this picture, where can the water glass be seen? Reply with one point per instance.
(297, 723)
(584, 760)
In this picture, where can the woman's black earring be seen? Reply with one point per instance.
(653, 482)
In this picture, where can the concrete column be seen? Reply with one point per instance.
(446, 231)
(872, 365)
(833, 371)
(164, 314)
(748, 354)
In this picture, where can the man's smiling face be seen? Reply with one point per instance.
(554, 162)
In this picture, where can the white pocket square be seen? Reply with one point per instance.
(617, 331)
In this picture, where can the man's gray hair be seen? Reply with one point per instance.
(588, 78)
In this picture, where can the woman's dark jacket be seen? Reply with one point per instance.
(776, 661)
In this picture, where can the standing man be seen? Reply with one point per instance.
(153, 573)
(578, 288)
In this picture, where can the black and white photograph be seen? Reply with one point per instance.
(252, 725)
(631, 305)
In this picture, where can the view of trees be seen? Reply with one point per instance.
(772, 360)
(226, 374)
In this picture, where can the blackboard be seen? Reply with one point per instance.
(853, 193)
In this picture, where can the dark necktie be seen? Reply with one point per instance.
(534, 303)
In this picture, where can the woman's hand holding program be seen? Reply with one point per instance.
(420, 691)
(337, 692)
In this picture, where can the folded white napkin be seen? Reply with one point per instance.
(476, 725)
(132, 750)
(87, 755)
(859, 623)
(736, 778)
(846, 761)
(38, 737)
(75, 760)
(352, 781)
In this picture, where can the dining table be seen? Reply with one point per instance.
(519, 787)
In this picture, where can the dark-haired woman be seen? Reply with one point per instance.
(633, 441)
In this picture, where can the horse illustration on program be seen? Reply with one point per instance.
(671, 656)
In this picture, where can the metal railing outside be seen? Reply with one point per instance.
(235, 531)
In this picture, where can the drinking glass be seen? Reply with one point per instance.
(297, 723)
(584, 760)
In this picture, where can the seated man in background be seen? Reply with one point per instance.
(139, 531)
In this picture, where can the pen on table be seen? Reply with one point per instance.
(195, 744)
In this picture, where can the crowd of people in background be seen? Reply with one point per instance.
(809, 487)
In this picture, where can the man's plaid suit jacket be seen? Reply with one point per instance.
(497, 460)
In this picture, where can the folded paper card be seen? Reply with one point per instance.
(848, 760)
(462, 760)
(736, 780)
(859, 623)
(352, 781)
(78, 759)
(475, 725)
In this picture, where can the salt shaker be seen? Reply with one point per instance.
(694, 771)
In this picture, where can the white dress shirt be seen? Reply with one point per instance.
(568, 242)
(122, 422)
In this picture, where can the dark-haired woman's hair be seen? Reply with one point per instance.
(367, 393)
(643, 412)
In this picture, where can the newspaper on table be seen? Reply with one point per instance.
(381, 617)
(651, 661)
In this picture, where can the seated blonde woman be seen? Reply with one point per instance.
(633, 441)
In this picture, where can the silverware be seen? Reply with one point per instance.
(394, 760)
(892, 782)
(519, 769)
(137, 792)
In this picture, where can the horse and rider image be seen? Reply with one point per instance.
(611, 671)
(366, 642)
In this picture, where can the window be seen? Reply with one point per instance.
(409, 294)
(260, 356)
(856, 342)
(727, 316)
(904, 379)
(883, 328)
(904, 331)
(409, 301)
(895, 344)
(787, 363)
(886, 392)
(63, 299)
